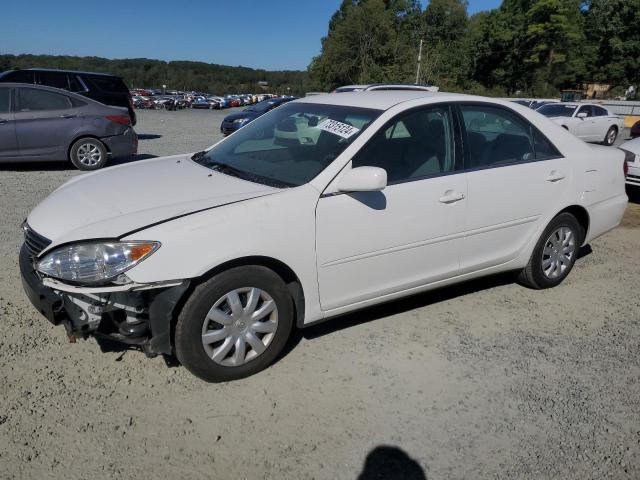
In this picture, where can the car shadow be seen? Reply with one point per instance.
(386, 462)
(634, 194)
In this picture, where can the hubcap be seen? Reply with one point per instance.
(240, 326)
(612, 136)
(89, 154)
(558, 252)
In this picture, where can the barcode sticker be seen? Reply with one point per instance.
(338, 128)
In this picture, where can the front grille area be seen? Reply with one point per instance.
(35, 242)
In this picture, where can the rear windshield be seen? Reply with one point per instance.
(557, 110)
(105, 83)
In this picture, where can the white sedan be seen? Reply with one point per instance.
(323, 206)
(632, 151)
(589, 122)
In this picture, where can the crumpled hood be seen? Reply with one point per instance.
(112, 202)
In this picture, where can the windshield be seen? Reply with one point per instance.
(557, 110)
(260, 107)
(290, 145)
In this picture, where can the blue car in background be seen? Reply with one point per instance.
(235, 121)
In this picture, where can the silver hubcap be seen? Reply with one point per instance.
(240, 326)
(558, 252)
(612, 136)
(89, 154)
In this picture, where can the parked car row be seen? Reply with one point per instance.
(174, 100)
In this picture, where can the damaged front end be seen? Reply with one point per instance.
(135, 314)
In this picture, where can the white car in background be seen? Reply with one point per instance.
(587, 121)
(323, 206)
(632, 151)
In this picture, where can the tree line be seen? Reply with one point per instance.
(531, 47)
(180, 75)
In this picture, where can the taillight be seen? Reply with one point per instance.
(122, 119)
(628, 158)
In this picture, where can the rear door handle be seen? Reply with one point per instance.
(555, 176)
(68, 115)
(451, 196)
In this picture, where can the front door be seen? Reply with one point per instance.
(8, 142)
(44, 121)
(370, 244)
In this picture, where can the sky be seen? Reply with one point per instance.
(269, 34)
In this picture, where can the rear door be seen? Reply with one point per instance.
(515, 178)
(8, 142)
(44, 122)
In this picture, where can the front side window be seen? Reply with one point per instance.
(290, 145)
(30, 100)
(5, 99)
(495, 136)
(585, 109)
(415, 145)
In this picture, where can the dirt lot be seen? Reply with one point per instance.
(484, 380)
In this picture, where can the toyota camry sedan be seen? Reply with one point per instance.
(589, 122)
(323, 206)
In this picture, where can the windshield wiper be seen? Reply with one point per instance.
(229, 170)
(198, 155)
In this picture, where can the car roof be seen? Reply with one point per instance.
(61, 91)
(383, 99)
(63, 71)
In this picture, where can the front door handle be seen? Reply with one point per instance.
(555, 176)
(451, 196)
(68, 115)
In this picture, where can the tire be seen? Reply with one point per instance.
(88, 154)
(611, 136)
(208, 332)
(542, 258)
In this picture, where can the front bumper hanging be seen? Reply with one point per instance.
(141, 316)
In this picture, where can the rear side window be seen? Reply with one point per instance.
(105, 83)
(5, 99)
(544, 149)
(54, 79)
(31, 100)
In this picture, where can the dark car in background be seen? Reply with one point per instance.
(102, 87)
(40, 123)
(635, 130)
(233, 122)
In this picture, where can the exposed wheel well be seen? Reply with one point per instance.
(581, 215)
(85, 136)
(281, 269)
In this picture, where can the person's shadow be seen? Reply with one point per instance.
(390, 463)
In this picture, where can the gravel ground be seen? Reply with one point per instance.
(483, 380)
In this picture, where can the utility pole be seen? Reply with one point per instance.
(419, 60)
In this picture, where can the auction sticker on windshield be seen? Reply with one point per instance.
(338, 128)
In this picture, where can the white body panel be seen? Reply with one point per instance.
(347, 250)
(633, 146)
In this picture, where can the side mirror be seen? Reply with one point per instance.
(582, 115)
(363, 179)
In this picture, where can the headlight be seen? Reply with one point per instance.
(240, 120)
(94, 262)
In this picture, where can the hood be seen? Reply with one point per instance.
(244, 114)
(112, 202)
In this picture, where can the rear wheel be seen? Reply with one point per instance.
(88, 154)
(235, 324)
(611, 136)
(554, 254)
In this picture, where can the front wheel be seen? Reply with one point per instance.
(235, 324)
(554, 255)
(88, 154)
(611, 136)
